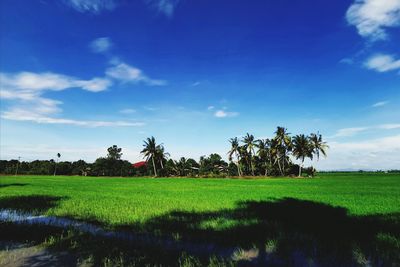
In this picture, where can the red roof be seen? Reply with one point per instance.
(139, 164)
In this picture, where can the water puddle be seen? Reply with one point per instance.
(252, 256)
(136, 238)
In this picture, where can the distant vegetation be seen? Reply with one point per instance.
(247, 157)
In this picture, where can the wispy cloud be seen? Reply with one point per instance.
(25, 90)
(380, 153)
(373, 17)
(127, 111)
(37, 82)
(166, 7)
(346, 132)
(225, 114)
(38, 116)
(91, 6)
(126, 73)
(389, 126)
(380, 104)
(348, 61)
(382, 63)
(195, 84)
(210, 107)
(101, 45)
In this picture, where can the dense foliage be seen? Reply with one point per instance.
(247, 156)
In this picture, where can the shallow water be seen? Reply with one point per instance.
(297, 258)
(137, 238)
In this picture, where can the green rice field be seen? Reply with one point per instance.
(121, 201)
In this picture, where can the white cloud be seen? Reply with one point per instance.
(101, 45)
(372, 17)
(38, 116)
(166, 7)
(389, 126)
(382, 63)
(36, 82)
(381, 153)
(26, 90)
(127, 111)
(196, 84)
(92, 6)
(346, 132)
(210, 107)
(126, 73)
(348, 61)
(380, 104)
(225, 114)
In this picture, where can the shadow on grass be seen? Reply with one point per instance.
(290, 232)
(13, 184)
(34, 204)
(284, 232)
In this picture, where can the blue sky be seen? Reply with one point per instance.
(78, 76)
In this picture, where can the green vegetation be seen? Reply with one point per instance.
(247, 157)
(346, 218)
(122, 201)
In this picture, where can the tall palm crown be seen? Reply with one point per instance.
(264, 152)
(318, 145)
(234, 147)
(161, 155)
(150, 151)
(302, 148)
(283, 146)
(249, 144)
(283, 137)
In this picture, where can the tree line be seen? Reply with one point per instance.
(247, 156)
(281, 155)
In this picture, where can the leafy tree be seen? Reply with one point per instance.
(302, 148)
(263, 152)
(235, 150)
(161, 155)
(283, 146)
(114, 152)
(249, 144)
(150, 151)
(318, 145)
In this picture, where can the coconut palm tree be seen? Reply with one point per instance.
(161, 155)
(263, 152)
(302, 148)
(249, 144)
(150, 151)
(55, 166)
(235, 150)
(182, 166)
(284, 145)
(318, 145)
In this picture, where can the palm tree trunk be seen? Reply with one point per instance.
(300, 166)
(55, 169)
(266, 168)
(154, 166)
(238, 165)
(279, 166)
